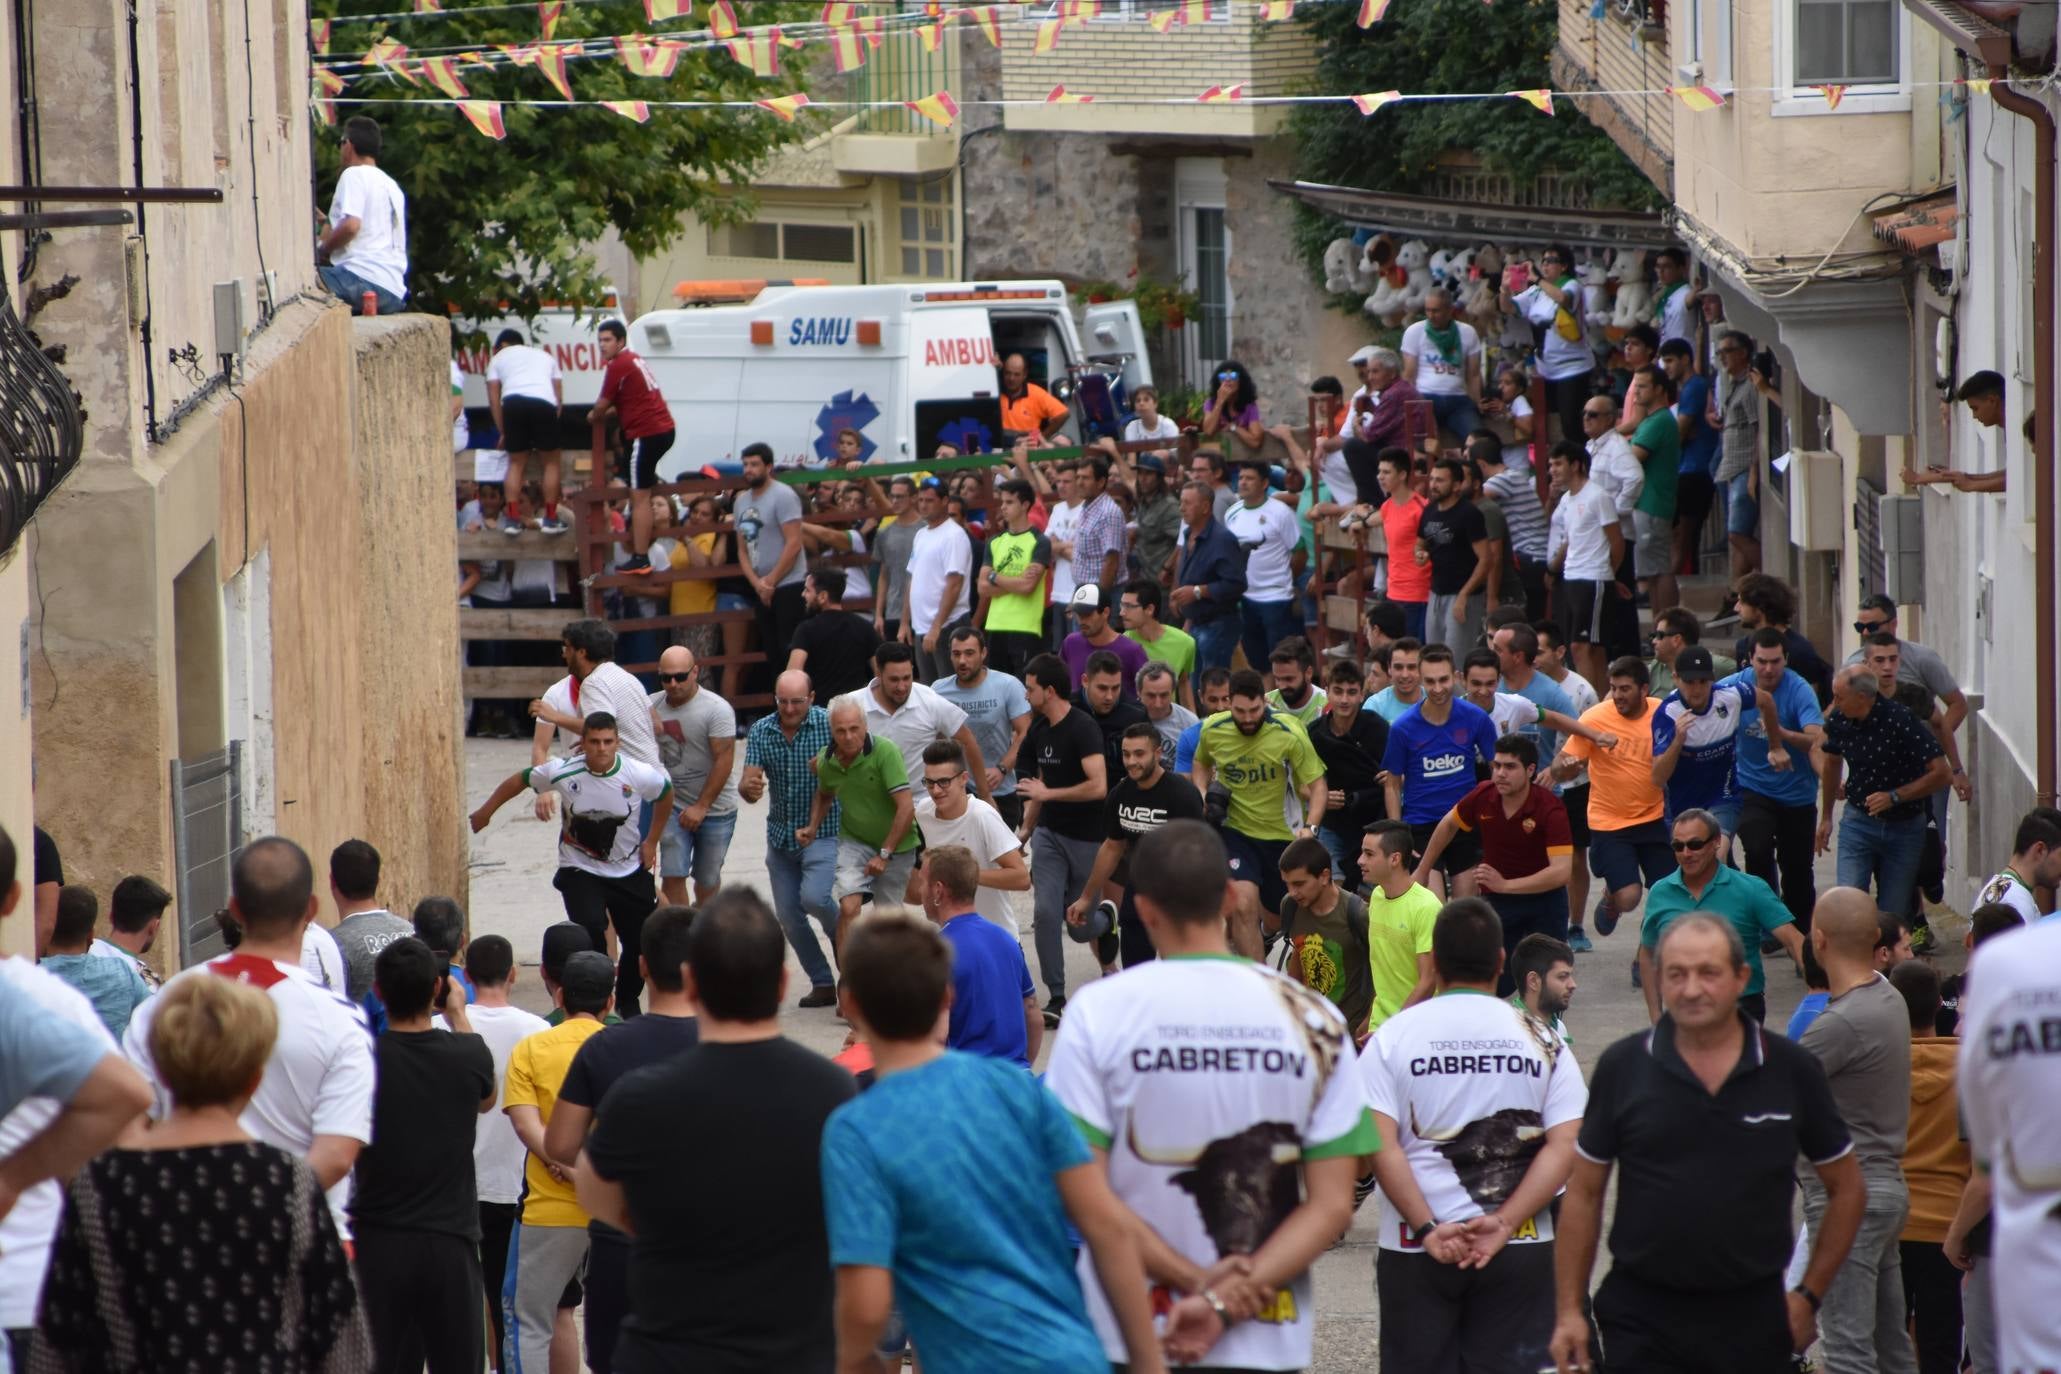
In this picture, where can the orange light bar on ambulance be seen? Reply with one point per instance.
(733, 291)
(988, 295)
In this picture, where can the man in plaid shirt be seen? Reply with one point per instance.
(1098, 549)
(778, 751)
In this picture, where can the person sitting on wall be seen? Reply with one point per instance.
(365, 247)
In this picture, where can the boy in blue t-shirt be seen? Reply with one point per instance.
(1432, 751)
(947, 1187)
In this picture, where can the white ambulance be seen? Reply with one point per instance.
(906, 366)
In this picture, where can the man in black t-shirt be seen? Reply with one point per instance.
(414, 1211)
(710, 1158)
(1102, 696)
(1148, 797)
(834, 646)
(1062, 813)
(667, 1027)
(1351, 741)
(1453, 538)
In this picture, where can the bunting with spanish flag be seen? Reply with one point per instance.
(443, 74)
(758, 49)
(1373, 100)
(1058, 96)
(849, 48)
(1163, 21)
(939, 108)
(983, 17)
(1540, 100)
(932, 36)
(1048, 36)
(1833, 95)
(485, 116)
(784, 106)
(1274, 11)
(551, 62)
(722, 20)
(658, 11)
(637, 111)
(1697, 98)
(656, 58)
(1218, 95)
(429, 6)
(1371, 12)
(548, 15)
(838, 12)
(318, 29)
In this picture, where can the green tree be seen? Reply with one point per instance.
(505, 227)
(1438, 46)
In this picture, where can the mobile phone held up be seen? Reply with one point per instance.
(1517, 277)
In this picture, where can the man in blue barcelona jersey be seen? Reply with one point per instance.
(1432, 750)
(1696, 741)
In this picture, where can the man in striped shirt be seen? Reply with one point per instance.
(1517, 492)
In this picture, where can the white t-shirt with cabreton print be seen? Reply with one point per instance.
(1209, 1080)
(600, 814)
(1473, 1086)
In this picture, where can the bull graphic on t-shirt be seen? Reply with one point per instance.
(1244, 1185)
(1489, 1156)
(592, 832)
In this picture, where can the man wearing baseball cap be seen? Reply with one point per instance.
(1091, 606)
(1696, 739)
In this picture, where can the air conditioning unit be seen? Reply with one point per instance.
(1817, 501)
(1900, 521)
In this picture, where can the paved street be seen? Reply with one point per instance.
(512, 895)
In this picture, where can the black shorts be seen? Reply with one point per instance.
(1578, 606)
(1498, 1319)
(1695, 494)
(528, 425)
(1257, 862)
(1462, 854)
(641, 457)
(1576, 801)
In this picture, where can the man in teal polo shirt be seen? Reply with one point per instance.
(876, 836)
(1701, 883)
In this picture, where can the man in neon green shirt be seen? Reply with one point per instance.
(1011, 582)
(1400, 915)
(1142, 600)
(1267, 764)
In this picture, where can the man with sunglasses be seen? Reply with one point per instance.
(1674, 630)
(1701, 883)
(948, 815)
(697, 743)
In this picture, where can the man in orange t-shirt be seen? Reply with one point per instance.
(1409, 581)
(1028, 408)
(1628, 839)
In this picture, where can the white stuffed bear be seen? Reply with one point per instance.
(1482, 306)
(1634, 299)
(1459, 277)
(1440, 266)
(1594, 274)
(1343, 270)
(1408, 281)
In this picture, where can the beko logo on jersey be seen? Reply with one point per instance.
(1442, 765)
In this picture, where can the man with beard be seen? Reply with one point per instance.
(1478, 1118)
(1147, 798)
(1543, 969)
(1350, 741)
(997, 713)
(1296, 692)
(833, 645)
(899, 708)
(1266, 764)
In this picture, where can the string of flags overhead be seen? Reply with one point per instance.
(942, 109)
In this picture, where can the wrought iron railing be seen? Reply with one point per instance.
(41, 428)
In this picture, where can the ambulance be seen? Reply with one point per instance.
(908, 367)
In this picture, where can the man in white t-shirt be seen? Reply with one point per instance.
(1478, 1107)
(1268, 531)
(1220, 1097)
(365, 247)
(315, 1098)
(947, 814)
(606, 849)
(914, 716)
(599, 683)
(1442, 359)
(526, 393)
(1586, 558)
(1062, 523)
(2035, 863)
(497, 1152)
(940, 574)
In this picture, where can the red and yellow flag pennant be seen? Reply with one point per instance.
(1058, 96)
(1274, 11)
(722, 20)
(318, 29)
(1540, 100)
(932, 36)
(1194, 11)
(658, 11)
(939, 108)
(548, 15)
(636, 111)
(1373, 100)
(1697, 98)
(849, 48)
(443, 74)
(1833, 95)
(1163, 21)
(1371, 12)
(758, 49)
(656, 58)
(1978, 85)
(387, 52)
(783, 106)
(429, 6)
(1219, 95)
(551, 62)
(983, 17)
(1079, 11)
(839, 12)
(485, 116)
(328, 82)
(326, 109)
(784, 41)
(1048, 36)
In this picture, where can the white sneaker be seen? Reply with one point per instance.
(551, 524)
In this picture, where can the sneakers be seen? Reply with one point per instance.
(1605, 916)
(1578, 941)
(635, 565)
(512, 531)
(1055, 1008)
(552, 524)
(819, 997)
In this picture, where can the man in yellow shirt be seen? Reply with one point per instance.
(550, 1242)
(1400, 915)
(1627, 837)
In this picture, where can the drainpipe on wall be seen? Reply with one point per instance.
(2043, 406)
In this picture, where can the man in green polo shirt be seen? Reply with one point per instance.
(876, 836)
(1012, 582)
(1141, 601)
(1701, 883)
(1657, 442)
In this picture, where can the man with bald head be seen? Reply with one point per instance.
(778, 754)
(862, 775)
(697, 744)
(1891, 763)
(1028, 408)
(1862, 1039)
(1442, 359)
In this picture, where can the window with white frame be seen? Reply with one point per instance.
(1710, 43)
(1847, 42)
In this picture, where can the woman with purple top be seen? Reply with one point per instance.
(1232, 415)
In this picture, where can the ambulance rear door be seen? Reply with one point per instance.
(954, 380)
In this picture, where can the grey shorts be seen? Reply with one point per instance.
(1652, 545)
(852, 878)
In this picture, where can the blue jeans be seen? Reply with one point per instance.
(1883, 855)
(1457, 415)
(801, 889)
(1263, 625)
(1413, 617)
(350, 288)
(696, 854)
(1214, 641)
(1345, 855)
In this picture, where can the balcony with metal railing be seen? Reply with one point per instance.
(890, 139)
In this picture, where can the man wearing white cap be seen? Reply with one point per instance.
(1374, 416)
(1090, 608)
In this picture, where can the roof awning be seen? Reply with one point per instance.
(1920, 225)
(1444, 219)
